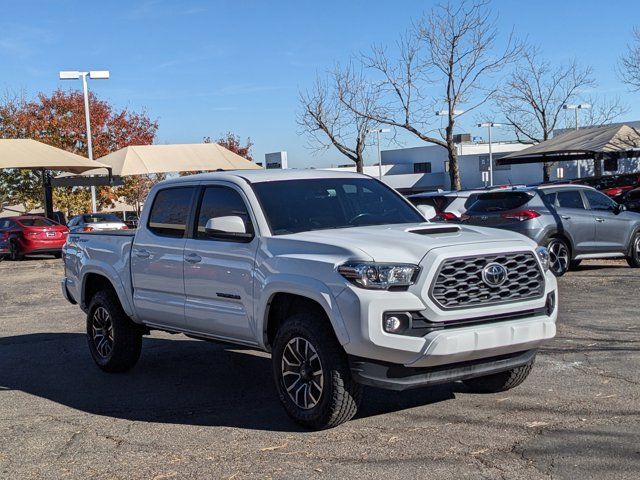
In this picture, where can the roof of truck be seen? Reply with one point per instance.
(258, 176)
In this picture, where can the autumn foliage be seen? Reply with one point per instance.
(58, 120)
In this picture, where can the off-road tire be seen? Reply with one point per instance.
(499, 382)
(340, 396)
(633, 256)
(14, 252)
(126, 335)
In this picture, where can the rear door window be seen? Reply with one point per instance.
(500, 201)
(170, 212)
(569, 199)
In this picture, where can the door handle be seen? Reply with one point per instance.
(142, 253)
(192, 258)
(566, 217)
(598, 219)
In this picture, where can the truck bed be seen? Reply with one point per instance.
(108, 253)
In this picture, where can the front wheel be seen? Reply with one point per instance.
(633, 258)
(499, 382)
(114, 340)
(312, 373)
(559, 256)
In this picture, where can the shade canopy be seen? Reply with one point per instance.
(146, 159)
(612, 141)
(34, 155)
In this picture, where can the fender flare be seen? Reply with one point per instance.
(305, 287)
(109, 273)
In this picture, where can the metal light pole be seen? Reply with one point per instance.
(576, 108)
(94, 75)
(378, 131)
(489, 125)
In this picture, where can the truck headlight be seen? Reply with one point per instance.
(379, 276)
(543, 256)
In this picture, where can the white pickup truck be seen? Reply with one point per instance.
(335, 274)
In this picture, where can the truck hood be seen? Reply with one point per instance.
(408, 243)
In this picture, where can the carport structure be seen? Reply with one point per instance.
(28, 154)
(151, 159)
(609, 142)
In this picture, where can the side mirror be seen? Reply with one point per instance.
(227, 228)
(427, 211)
(619, 208)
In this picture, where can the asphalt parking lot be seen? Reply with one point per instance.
(193, 409)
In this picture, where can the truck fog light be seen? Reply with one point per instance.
(392, 324)
(396, 322)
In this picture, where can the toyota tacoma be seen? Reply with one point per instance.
(335, 274)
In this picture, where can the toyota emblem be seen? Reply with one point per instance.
(494, 274)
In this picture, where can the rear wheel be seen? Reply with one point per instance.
(633, 257)
(499, 382)
(559, 256)
(312, 373)
(14, 252)
(114, 340)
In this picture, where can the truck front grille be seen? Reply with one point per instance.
(459, 282)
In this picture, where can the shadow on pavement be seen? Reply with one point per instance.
(176, 381)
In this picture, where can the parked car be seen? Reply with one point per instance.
(615, 186)
(336, 274)
(131, 221)
(31, 234)
(449, 206)
(96, 221)
(631, 200)
(574, 222)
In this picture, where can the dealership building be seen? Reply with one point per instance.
(425, 168)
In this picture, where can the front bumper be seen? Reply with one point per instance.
(397, 377)
(466, 335)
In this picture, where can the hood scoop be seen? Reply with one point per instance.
(434, 230)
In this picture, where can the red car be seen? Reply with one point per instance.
(31, 234)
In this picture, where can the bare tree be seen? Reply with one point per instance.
(629, 70)
(533, 97)
(448, 59)
(327, 122)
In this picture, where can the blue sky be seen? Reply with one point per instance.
(204, 68)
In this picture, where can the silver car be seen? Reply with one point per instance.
(95, 221)
(574, 222)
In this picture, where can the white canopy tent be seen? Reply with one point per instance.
(148, 159)
(30, 154)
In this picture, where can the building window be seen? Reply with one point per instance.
(422, 167)
(484, 162)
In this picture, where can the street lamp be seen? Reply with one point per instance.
(93, 75)
(576, 108)
(378, 131)
(489, 126)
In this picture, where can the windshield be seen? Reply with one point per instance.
(500, 201)
(324, 203)
(100, 218)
